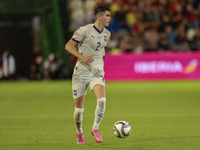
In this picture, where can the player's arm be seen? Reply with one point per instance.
(70, 47)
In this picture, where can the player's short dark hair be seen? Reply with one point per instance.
(100, 9)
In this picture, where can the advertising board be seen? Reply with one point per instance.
(152, 66)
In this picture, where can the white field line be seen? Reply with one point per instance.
(70, 116)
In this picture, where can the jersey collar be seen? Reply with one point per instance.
(97, 29)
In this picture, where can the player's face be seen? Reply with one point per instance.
(106, 18)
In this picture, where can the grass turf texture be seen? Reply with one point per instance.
(39, 116)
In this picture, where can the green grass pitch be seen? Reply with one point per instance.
(38, 115)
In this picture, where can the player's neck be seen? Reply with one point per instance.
(98, 26)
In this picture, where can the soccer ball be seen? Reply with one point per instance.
(122, 129)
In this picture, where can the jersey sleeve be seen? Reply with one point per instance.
(79, 35)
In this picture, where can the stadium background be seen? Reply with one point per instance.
(35, 34)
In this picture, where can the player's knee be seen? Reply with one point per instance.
(101, 104)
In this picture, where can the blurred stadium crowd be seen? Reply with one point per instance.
(137, 26)
(50, 68)
(145, 25)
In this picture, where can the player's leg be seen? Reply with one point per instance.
(78, 113)
(78, 117)
(100, 93)
(79, 91)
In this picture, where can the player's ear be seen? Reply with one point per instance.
(99, 16)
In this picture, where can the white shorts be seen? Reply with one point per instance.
(79, 87)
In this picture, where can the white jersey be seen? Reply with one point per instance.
(91, 42)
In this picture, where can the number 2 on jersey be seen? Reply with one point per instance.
(98, 44)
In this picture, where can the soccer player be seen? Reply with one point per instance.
(88, 71)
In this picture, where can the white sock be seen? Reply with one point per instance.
(99, 112)
(78, 117)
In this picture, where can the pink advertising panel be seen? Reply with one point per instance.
(152, 66)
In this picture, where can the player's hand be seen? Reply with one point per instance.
(87, 59)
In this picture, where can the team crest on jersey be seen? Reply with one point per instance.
(75, 92)
(105, 38)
